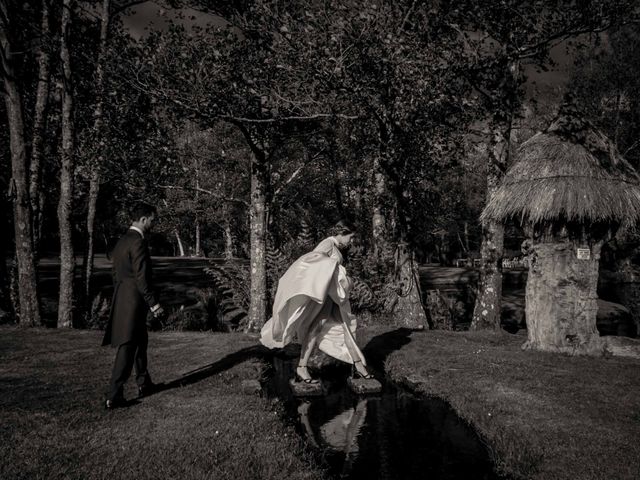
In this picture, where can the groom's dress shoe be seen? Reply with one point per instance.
(148, 389)
(117, 403)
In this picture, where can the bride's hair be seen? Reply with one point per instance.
(343, 227)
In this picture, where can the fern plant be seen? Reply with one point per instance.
(231, 288)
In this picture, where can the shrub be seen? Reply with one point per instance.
(201, 316)
(230, 293)
(98, 315)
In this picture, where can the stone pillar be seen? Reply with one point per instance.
(561, 299)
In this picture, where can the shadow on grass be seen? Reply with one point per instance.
(380, 347)
(377, 350)
(225, 363)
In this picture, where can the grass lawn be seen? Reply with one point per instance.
(52, 423)
(544, 416)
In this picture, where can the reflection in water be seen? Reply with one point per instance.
(394, 435)
(339, 433)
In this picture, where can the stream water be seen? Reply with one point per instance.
(393, 435)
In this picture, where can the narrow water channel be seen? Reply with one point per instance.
(393, 435)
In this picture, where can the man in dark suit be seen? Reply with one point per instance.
(133, 296)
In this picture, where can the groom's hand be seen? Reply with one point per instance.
(157, 310)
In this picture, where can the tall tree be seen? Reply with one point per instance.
(67, 256)
(29, 313)
(97, 164)
(40, 121)
(108, 12)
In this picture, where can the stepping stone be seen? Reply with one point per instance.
(251, 387)
(364, 385)
(301, 389)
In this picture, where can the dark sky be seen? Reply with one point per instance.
(152, 16)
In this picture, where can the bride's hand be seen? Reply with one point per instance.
(349, 283)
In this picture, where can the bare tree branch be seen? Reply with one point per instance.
(224, 198)
(406, 17)
(236, 119)
(632, 147)
(292, 118)
(293, 176)
(552, 41)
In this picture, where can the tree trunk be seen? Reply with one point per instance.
(197, 233)
(409, 310)
(5, 285)
(379, 222)
(29, 313)
(466, 237)
(39, 125)
(337, 188)
(38, 220)
(14, 290)
(258, 218)
(67, 258)
(94, 189)
(197, 250)
(487, 309)
(391, 233)
(228, 242)
(98, 122)
(358, 190)
(561, 299)
(179, 240)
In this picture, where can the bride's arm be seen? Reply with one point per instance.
(326, 246)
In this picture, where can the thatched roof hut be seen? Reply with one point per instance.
(569, 172)
(571, 185)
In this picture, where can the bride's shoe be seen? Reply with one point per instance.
(306, 378)
(357, 373)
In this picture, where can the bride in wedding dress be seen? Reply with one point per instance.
(312, 307)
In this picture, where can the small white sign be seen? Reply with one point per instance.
(584, 254)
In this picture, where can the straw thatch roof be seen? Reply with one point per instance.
(570, 172)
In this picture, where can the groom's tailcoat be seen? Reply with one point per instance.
(133, 291)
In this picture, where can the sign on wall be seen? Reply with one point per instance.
(584, 254)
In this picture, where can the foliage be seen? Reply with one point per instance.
(323, 98)
(231, 291)
(202, 316)
(402, 80)
(98, 316)
(606, 83)
(208, 189)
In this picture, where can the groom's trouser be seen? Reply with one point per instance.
(129, 354)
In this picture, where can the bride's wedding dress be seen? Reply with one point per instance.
(313, 295)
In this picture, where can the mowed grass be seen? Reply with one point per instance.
(52, 423)
(543, 416)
